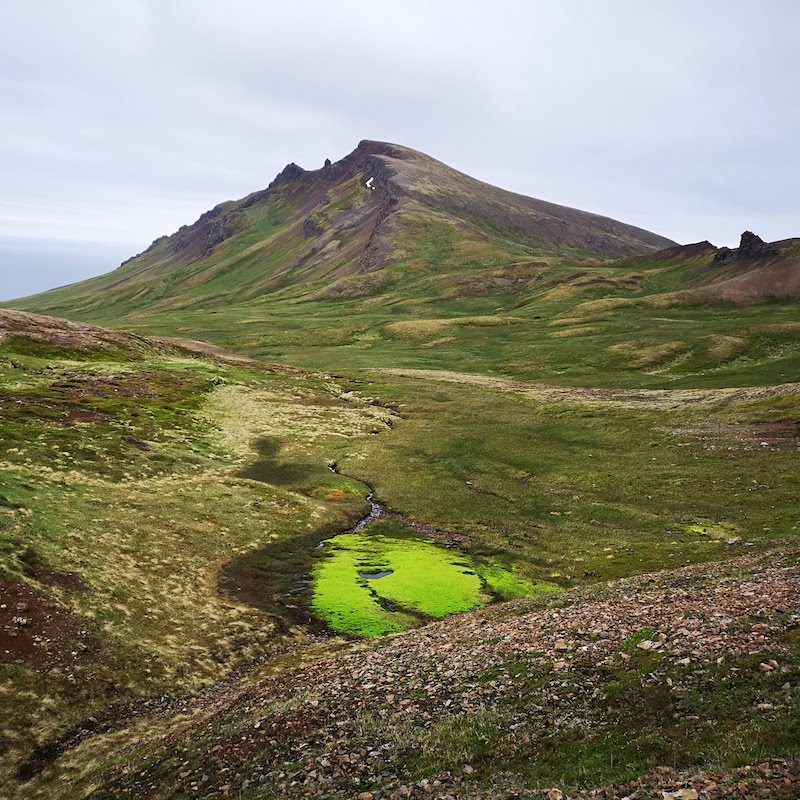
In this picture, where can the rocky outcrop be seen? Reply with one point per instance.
(311, 228)
(219, 230)
(201, 237)
(291, 172)
(751, 247)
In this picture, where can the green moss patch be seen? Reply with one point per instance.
(387, 579)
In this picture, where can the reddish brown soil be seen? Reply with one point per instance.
(62, 334)
(781, 279)
(780, 435)
(36, 630)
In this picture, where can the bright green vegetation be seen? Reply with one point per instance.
(423, 580)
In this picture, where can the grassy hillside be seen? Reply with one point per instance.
(162, 508)
(670, 319)
(631, 324)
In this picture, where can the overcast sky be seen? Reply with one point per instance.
(121, 121)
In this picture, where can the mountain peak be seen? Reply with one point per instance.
(378, 206)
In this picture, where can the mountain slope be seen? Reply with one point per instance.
(380, 205)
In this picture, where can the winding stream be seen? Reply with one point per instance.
(375, 511)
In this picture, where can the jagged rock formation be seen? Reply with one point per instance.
(751, 247)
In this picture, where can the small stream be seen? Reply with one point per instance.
(375, 511)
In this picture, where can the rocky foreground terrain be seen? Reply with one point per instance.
(681, 663)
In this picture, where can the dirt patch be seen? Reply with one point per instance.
(780, 435)
(80, 386)
(33, 568)
(85, 415)
(37, 631)
(139, 445)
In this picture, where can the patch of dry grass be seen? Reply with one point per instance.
(422, 328)
(603, 304)
(723, 347)
(580, 330)
(643, 355)
(782, 327)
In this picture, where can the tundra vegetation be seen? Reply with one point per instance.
(584, 574)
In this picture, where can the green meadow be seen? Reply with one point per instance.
(533, 420)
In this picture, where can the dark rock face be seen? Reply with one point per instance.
(751, 247)
(200, 238)
(724, 256)
(291, 172)
(219, 231)
(311, 228)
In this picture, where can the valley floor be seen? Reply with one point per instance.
(161, 507)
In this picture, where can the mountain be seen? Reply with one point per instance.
(389, 258)
(335, 229)
(546, 464)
